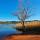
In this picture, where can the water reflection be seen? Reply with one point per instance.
(6, 29)
(7, 25)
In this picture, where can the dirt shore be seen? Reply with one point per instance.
(23, 37)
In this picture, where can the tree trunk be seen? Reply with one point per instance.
(23, 26)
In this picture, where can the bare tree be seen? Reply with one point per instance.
(22, 15)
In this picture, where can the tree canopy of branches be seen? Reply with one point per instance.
(22, 15)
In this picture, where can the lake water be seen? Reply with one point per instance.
(7, 29)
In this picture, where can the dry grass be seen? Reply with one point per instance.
(29, 24)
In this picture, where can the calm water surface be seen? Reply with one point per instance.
(6, 29)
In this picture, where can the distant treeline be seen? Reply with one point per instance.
(14, 22)
(10, 22)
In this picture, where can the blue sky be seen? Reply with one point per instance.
(9, 6)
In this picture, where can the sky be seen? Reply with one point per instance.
(7, 7)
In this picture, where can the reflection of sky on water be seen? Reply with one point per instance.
(6, 29)
(6, 25)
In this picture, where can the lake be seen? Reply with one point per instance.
(7, 29)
